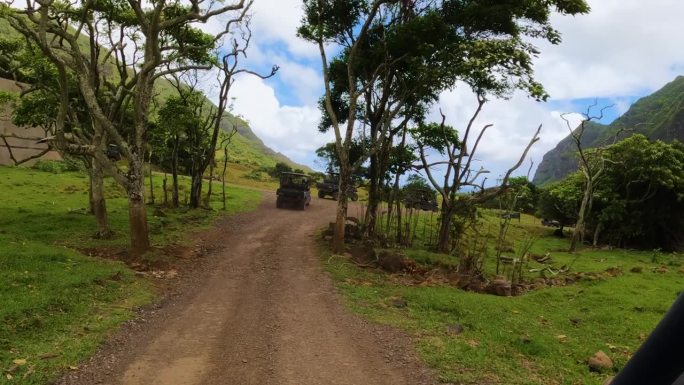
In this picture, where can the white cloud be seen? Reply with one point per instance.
(623, 47)
(290, 130)
(276, 21)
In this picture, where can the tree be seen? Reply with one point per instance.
(226, 138)
(639, 202)
(37, 105)
(395, 56)
(459, 172)
(279, 168)
(99, 44)
(559, 201)
(522, 196)
(591, 165)
(203, 120)
(328, 154)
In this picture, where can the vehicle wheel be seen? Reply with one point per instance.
(335, 196)
(302, 205)
(354, 197)
(321, 194)
(279, 203)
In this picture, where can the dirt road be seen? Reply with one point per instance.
(261, 311)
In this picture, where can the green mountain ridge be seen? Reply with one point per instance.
(659, 116)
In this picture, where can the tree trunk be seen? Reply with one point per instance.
(174, 174)
(211, 181)
(597, 234)
(395, 188)
(91, 202)
(373, 196)
(98, 202)
(223, 179)
(149, 164)
(444, 236)
(195, 189)
(166, 191)
(137, 217)
(399, 230)
(341, 216)
(581, 217)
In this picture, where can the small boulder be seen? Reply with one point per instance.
(399, 303)
(455, 329)
(391, 262)
(363, 254)
(637, 269)
(500, 287)
(599, 362)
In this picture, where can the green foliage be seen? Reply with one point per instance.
(522, 196)
(640, 201)
(330, 21)
(278, 169)
(436, 136)
(560, 201)
(418, 188)
(59, 166)
(328, 154)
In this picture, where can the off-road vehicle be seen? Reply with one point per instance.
(293, 191)
(421, 199)
(330, 187)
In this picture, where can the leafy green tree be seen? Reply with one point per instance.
(640, 203)
(559, 201)
(38, 104)
(397, 56)
(328, 154)
(278, 169)
(99, 45)
(521, 195)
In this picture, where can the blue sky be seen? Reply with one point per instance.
(623, 50)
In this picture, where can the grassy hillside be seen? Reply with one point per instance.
(657, 116)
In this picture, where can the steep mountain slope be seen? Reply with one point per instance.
(657, 116)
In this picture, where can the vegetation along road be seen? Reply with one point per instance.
(262, 312)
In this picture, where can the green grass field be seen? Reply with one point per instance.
(542, 337)
(57, 305)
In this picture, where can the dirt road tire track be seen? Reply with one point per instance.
(260, 310)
